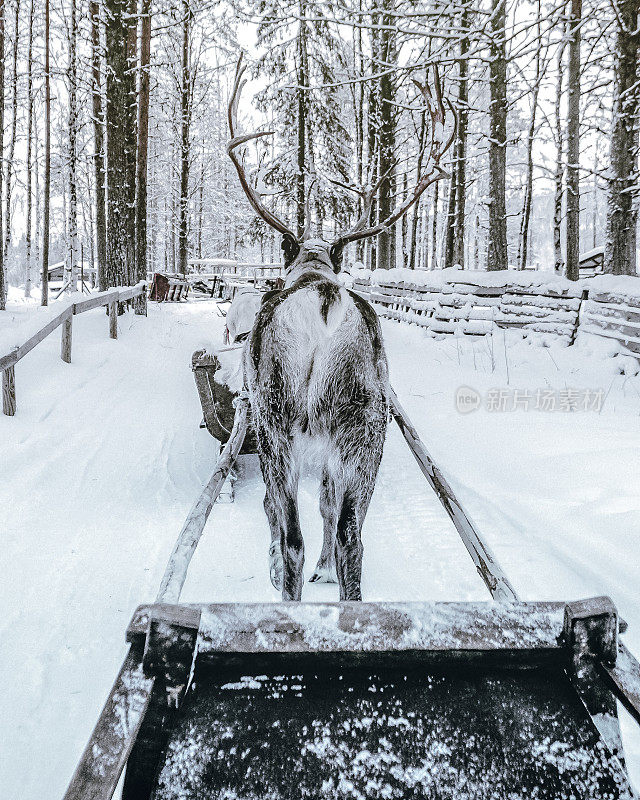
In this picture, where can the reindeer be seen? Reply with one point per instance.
(316, 373)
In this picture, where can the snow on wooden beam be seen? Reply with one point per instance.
(363, 627)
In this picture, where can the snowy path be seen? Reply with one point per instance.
(104, 459)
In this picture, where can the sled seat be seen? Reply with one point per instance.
(393, 700)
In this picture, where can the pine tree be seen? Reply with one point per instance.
(47, 156)
(3, 292)
(573, 145)
(620, 249)
(120, 30)
(30, 101)
(497, 255)
(98, 144)
(316, 146)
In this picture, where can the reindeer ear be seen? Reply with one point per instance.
(290, 249)
(335, 254)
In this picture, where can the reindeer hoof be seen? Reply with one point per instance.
(324, 575)
(276, 565)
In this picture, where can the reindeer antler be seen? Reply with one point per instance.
(432, 173)
(252, 195)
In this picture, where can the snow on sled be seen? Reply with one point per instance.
(366, 700)
(429, 701)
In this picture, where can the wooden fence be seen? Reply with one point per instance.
(464, 307)
(64, 318)
(614, 316)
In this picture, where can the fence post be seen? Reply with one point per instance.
(9, 391)
(65, 344)
(140, 303)
(113, 319)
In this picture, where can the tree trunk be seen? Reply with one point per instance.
(120, 29)
(201, 201)
(98, 144)
(528, 191)
(27, 284)
(434, 227)
(461, 151)
(73, 150)
(185, 119)
(3, 292)
(573, 145)
(47, 158)
(36, 181)
(386, 244)
(413, 244)
(14, 130)
(373, 133)
(143, 144)
(450, 221)
(620, 249)
(497, 249)
(301, 99)
(594, 208)
(359, 95)
(559, 172)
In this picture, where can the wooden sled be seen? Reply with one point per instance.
(437, 701)
(216, 400)
(419, 700)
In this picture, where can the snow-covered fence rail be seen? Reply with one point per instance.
(542, 309)
(440, 307)
(465, 307)
(63, 318)
(461, 305)
(614, 316)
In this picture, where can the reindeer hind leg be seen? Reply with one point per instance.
(325, 571)
(349, 547)
(276, 564)
(292, 546)
(281, 506)
(358, 477)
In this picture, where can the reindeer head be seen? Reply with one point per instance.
(316, 253)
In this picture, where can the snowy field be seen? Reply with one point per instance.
(104, 459)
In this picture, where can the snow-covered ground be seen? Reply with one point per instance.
(104, 458)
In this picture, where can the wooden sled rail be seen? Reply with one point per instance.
(106, 754)
(110, 298)
(488, 567)
(176, 572)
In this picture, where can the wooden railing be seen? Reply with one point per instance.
(63, 318)
(614, 316)
(463, 307)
